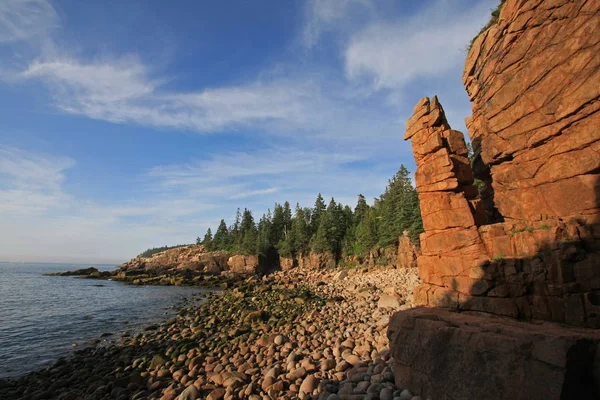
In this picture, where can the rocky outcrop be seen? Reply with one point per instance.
(90, 272)
(406, 256)
(547, 269)
(321, 260)
(192, 258)
(446, 355)
(243, 265)
(533, 79)
(527, 246)
(288, 263)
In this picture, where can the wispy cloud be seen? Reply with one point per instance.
(252, 193)
(25, 19)
(29, 183)
(124, 91)
(390, 54)
(332, 15)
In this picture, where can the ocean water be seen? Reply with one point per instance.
(42, 316)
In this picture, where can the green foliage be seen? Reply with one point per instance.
(331, 228)
(397, 209)
(498, 258)
(317, 212)
(207, 241)
(301, 231)
(222, 239)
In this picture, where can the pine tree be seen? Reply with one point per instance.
(198, 240)
(320, 241)
(248, 234)
(207, 241)
(286, 220)
(234, 233)
(361, 209)
(394, 206)
(300, 233)
(221, 241)
(278, 224)
(366, 233)
(317, 212)
(264, 244)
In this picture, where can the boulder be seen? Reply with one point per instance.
(243, 265)
(447, 355)
(390, 301)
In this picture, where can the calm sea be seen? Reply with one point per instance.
(42, 316)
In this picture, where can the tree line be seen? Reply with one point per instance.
(325, 227)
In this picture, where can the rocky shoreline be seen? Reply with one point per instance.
(298, 334)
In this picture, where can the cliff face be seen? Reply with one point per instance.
(534, 82)
(528, 245)
(192, 259)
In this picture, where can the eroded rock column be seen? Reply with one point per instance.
(452, 250)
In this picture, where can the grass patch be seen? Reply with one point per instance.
(500, 257)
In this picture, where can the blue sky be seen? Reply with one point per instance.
(131, 124)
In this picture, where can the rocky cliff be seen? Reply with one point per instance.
(190, 260)
(527, 246)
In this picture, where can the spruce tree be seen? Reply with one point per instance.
(248, 234)
(207, 241)
(361, 209)
(264, 244)
(286, 220)
(300, 233)
(366, 233)
(278, 226)
(221, 241)
(317, 212)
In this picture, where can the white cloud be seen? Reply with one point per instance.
(25, 19)
(176, 203)
(252, 193)
(123, 91)
(391, 54)
(29, 183)
(330, 15)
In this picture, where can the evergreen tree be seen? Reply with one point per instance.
(198, 240)
(286, 220)
(366, 233)
(320, 243)
(317, 212)
(234, 232)
(361, 209)
(300, 233)
(248, 234)
(264, 245)
(207, 241)
(395, 207)
(278, 225)
(221, 241)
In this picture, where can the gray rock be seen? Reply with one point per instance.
(386, 394)
(406, 395)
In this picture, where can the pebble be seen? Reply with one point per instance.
(255, 341)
